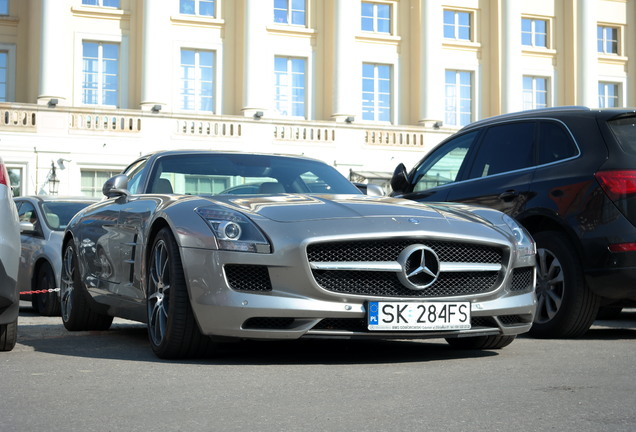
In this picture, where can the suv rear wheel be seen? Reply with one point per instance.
(566, 307)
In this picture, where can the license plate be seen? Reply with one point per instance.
(418, 316)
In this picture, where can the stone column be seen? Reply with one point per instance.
(432, 81)
(258, 59)
(54, 54)
(154, 54)
(511, 73)
(587, 56)
(347, 67)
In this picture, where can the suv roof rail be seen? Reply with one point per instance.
(526, 112)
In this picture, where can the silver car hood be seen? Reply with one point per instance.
(299, 208)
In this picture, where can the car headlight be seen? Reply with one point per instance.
(526, 249)
(233, 230)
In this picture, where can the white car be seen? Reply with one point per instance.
(42, 222)
(9, 256)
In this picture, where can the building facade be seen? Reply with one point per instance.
(86, 86)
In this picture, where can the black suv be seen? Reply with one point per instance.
(568, 175)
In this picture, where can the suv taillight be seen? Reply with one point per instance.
(617, 184)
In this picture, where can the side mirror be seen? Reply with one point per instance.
(374, 190)
(116, 186)
(370, 189)
(27, 228)
(400, 179)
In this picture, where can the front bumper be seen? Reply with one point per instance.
(297, 307)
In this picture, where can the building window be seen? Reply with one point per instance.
(608, 95)
(534, 33)
(4, 7)
(290, 86)
(376, 17)
(4, 75)
(93, 180)
(15, 177)
(535, 92)
(198, 7)
(459, 102)
(100, 85)
(376, 92)
(457, 25)
(103, 3)
(197, 80)
(290, 12)
(607, 40)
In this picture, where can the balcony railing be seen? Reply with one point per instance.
(103, 139)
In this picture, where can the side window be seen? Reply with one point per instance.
(504, 148)
(555, 143)
(443, 165)
(133, 173)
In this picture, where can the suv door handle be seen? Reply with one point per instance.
(508, 195)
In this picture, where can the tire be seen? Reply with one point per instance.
(77, 314)
(481, 342)
(566, 307)
(47, 304)
(8, 335)
(172, 328)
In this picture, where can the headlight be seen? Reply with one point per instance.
(233, 230)
(525, 244)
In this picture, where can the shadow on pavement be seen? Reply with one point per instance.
(127, 340)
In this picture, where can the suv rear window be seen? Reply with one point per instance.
(555, 143)
(625, 132)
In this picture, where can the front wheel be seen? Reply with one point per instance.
(172, 328)
(77, 313)
(47, 303)
(566, 306)
(481, 342)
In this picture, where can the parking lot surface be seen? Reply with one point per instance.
(55, 380)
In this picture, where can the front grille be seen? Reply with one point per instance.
(388, 250)
(386, 283)
(248, 277)
(522, 279)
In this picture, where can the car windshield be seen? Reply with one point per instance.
(624, 129)
(212, 174)
(58, 213)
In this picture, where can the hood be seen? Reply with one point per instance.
(298, 208)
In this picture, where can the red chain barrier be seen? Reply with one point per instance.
(40, 291)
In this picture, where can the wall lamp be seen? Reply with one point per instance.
(155, 108)
(53, 102)
(350, 119)
(258, 115)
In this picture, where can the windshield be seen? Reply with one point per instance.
(240, 174)
(58, 214)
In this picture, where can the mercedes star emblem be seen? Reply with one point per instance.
(420, 267)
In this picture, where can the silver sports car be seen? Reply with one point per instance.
(179, 245)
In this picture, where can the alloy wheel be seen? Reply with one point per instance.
(159, 292)
(550, 284)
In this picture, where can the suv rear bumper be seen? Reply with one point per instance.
(613, 283)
